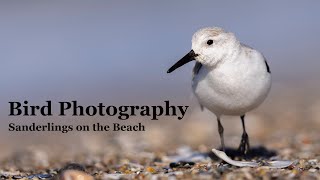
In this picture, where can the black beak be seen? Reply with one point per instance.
(187, 58)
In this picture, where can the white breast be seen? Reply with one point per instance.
(233, 87)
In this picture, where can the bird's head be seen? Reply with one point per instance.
(209, 47)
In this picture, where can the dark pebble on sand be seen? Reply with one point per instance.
(181, 164)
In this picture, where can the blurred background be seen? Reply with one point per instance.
(118, 52)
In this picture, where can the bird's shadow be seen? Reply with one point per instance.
(257, 152)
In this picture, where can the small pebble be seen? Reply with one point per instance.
(223, 167)
(75, 175)
(72, 166)
(151, 170)
(17, 177)
(312, 170)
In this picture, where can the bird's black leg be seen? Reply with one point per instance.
(244, 144)
(220, 128)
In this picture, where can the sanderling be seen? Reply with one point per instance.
(229, 78)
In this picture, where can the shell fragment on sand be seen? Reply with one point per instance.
(270, 164)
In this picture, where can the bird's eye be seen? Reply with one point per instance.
(209, 42)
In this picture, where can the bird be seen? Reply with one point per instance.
(229, 78)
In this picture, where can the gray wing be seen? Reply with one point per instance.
(265, 60)
(195, 71)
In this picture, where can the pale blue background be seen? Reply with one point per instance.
(118, 52)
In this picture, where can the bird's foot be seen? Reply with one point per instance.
(244, 144)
